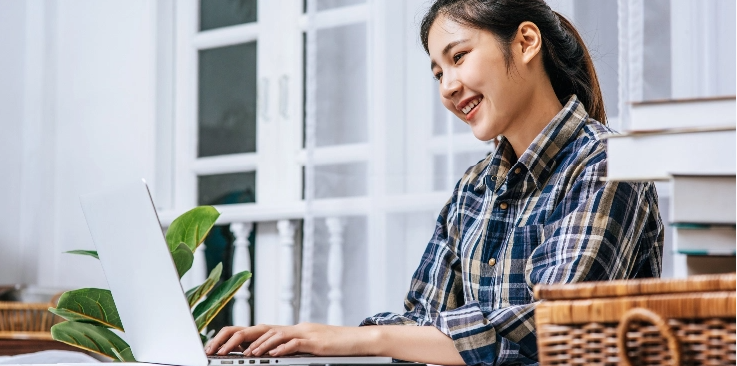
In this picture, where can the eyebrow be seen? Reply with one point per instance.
(447, 49)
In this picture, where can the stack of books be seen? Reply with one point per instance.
(690, 144)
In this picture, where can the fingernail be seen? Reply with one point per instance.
(255, 351)
(273, 352)
(207, 350)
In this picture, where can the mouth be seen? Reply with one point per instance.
(471, 105)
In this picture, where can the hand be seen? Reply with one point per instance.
(317, 339)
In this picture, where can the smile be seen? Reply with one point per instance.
(471, 105)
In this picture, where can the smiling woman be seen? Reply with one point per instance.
(536, 211)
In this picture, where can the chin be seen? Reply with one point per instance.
(484, 134)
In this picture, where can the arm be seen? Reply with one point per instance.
(419, 344)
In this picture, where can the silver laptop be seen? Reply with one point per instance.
(145, 285)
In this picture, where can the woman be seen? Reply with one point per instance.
(536, 211)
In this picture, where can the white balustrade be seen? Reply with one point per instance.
(335, 270)
(242, 262)
(286, 251)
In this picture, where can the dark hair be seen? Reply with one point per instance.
(565, 57)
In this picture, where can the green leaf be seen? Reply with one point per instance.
(197, 293)
(125, 355)
(183, 258)
(206, 310)
(89, 305)
(191, 227)
(91, 253)
(89, 337)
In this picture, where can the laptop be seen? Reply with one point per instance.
(145, 285)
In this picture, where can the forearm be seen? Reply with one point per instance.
(424, 344)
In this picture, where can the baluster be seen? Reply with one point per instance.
(286, 249)
(335, 270)
(242, 262)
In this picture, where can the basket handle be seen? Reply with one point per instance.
(645, 315)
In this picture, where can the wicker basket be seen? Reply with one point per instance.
(27, 320)
(638, 322)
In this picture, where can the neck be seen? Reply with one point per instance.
(543, 106)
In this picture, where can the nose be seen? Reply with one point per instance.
(449, 86)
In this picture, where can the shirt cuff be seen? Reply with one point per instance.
(388, 319)
(474, 336)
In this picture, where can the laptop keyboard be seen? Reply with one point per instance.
(255, 360)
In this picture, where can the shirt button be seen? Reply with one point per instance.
(503, 205)
(517, 170)
(492, 261)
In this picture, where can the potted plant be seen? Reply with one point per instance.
(91, 315)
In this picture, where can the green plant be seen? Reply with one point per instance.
(91, 313)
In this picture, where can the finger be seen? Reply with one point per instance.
(295, 345)
(254, 348)
(278, 337)
(243, 335)
(220, 338)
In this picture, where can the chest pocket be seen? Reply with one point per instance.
(515, 254)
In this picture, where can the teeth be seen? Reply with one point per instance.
(470, 105)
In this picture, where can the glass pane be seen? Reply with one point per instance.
(226, 189)
(341, 180)
(341, 85)
(227, 100)
(330, 4)
(656, 73)
(223, 13)
(597, 24)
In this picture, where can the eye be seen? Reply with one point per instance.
(438, 76)
(457, 57)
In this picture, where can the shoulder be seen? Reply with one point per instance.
(586, 149)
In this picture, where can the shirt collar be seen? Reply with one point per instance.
(538, 158)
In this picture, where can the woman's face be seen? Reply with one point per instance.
(474, 81)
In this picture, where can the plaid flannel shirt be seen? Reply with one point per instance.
(544, 218)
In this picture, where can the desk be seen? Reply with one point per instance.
(11, 347)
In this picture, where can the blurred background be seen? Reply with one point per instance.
(318, 134)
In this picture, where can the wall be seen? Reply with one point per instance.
(12, 14)
(81, 117)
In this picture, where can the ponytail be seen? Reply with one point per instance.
(571, 70)
(565, 57)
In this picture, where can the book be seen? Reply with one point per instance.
(656, 155)
(699, 265)
(703, 199)
(683, 113)
(704, 239)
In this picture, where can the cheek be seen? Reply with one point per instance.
(447, 104)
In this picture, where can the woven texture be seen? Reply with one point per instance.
(700, 323)
(703, 342)
(26, 320)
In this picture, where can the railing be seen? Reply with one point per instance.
(241, 219)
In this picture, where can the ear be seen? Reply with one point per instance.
(528, 41)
